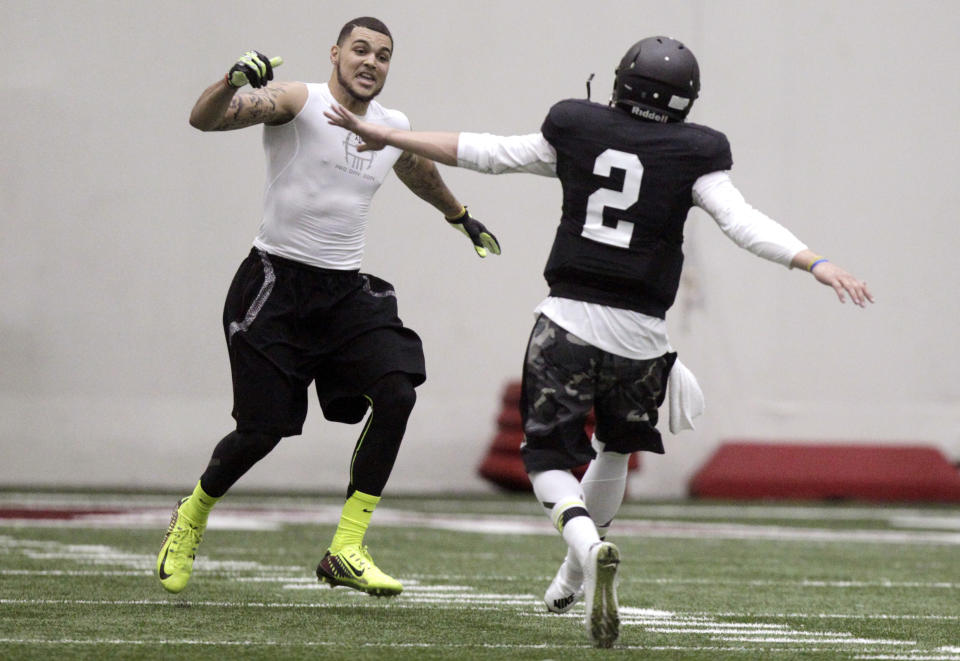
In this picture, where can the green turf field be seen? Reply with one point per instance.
(699, 581)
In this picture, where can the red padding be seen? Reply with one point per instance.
(506, 471)
(883, 473)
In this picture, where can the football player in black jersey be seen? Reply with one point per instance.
(630, 172)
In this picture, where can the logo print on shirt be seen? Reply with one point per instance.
(357, 160)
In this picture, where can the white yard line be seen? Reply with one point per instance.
(628, 615)
(653, 621)
(832, 616)
(211, 567)
(916, 656)
(945, 517)
(233, 518)
(804, 583)
(694, 509)
(749, 651)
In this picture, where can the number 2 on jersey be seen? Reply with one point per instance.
(602, 198)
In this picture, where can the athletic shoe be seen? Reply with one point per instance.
(179, 548)
(600, 593)
(565, 589)
(353, 567)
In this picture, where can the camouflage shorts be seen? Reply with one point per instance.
(564, 377)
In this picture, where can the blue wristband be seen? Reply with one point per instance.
(822, 259)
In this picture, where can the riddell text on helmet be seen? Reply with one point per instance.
(649, 114)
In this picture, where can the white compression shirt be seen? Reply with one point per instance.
(319, 187)
(617, 330)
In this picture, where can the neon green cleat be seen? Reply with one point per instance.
(175, 561)
(353, 567)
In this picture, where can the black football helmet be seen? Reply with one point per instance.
(657, 79)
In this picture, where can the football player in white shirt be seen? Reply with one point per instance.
(630, 171)
(299, 311)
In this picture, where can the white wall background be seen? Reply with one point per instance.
(122, 226)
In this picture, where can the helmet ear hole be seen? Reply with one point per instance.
(658, 79)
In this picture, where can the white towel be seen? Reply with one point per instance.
(684, 398)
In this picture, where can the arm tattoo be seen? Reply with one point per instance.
(421, 176)
(256, 107)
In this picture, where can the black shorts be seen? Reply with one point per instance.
(564, 377)
(288, 324)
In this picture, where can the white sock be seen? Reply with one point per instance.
(571, 575)
(580, 534)
(572, 563)
(602, 489)
(604, 484)
(559, 492)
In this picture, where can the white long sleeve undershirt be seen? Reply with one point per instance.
(617, 330)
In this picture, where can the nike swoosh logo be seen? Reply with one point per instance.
(164, 575)
(367, 511)
(357, 572)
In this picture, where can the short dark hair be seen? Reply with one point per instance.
(368, 22)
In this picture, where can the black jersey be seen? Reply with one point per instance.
(627, 188)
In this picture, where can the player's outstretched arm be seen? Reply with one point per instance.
(420, 175)
(417, 170)
(221, 108)
(436, 145)
(832, 275)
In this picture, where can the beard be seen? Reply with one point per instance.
(345, 85)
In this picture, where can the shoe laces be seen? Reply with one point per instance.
(186, 539)
(361, 557)
(353, 553)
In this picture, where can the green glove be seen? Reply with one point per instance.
(253, 67)
(482, 238)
